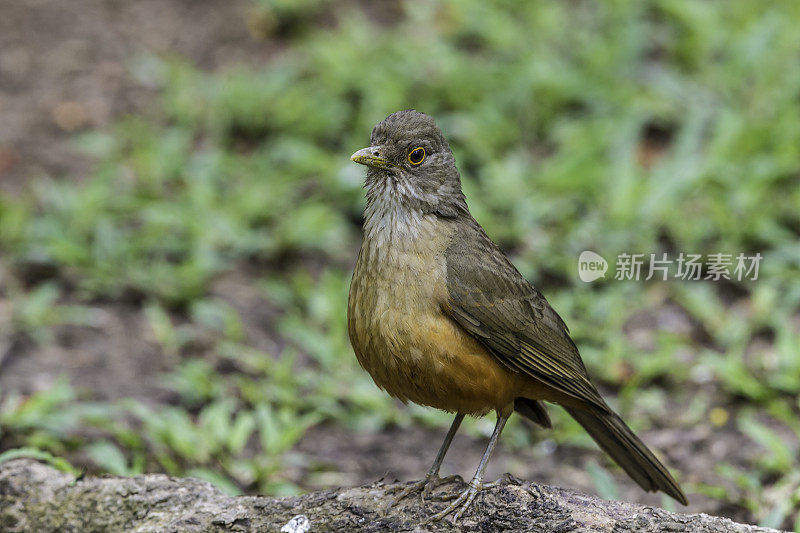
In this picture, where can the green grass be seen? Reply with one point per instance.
(668, 126)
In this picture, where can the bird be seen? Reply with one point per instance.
(439, 316)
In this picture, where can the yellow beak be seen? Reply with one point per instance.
(371, 157)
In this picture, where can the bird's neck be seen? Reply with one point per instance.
(398, 214)
(393, 215)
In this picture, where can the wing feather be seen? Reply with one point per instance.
(491, 300)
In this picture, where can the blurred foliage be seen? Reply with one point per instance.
(638, 127)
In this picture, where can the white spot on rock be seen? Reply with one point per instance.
(298, 524)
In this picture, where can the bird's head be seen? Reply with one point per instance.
(410, 163)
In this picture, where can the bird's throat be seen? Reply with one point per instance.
(393, 214)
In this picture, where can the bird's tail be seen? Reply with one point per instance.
(617, 440)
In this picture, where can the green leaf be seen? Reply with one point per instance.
(108, 457)
(603, 481)
(58, 463)
(215, 478)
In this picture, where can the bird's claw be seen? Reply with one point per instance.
(464, 500)
(430, 482)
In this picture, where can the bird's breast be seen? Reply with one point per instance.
(402, 337)
(398, 285)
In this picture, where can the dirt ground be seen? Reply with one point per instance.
(66, 67)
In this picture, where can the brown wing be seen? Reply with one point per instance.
(491, 300)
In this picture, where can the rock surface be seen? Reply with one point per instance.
(36, 497)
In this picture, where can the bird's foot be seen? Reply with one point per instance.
(463, 502)
(426, 485)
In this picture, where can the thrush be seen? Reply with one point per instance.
(439, 316)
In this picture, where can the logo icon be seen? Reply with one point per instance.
(591, 266)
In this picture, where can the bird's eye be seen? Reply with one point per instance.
(416, 156)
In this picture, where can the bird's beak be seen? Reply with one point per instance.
(371, 157)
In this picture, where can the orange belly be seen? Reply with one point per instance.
(434, 364)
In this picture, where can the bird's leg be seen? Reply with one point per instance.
(432, 477)
(476, 485)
